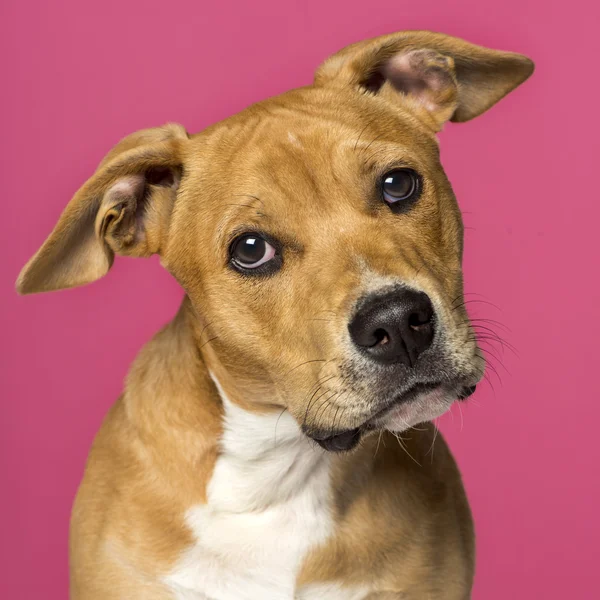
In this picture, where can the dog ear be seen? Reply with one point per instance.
(124, 208)
(440, 77)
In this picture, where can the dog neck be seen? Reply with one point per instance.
(248, 460)
(251, 489)
(265, 460)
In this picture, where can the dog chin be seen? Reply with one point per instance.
(425, 407)
(418, 407)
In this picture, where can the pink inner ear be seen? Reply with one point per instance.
(403, 76)
(127, 186)
(421, 74)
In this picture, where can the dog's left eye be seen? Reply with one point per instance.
(251, 251)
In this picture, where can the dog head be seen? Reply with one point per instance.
(315, 233)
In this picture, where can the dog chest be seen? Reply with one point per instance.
(268, 506)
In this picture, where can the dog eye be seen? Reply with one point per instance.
(401, 186)
(251, 251)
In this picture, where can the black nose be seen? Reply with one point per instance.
(395, 327)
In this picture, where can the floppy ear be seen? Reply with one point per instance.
(440, 77)
(123, 208)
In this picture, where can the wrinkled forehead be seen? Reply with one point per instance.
(296, 148)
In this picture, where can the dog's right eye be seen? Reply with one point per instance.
(401, 188)
(251, 252)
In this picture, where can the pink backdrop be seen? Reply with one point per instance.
(77, 76)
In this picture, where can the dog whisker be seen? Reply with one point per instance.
(462, 422)
(335, 417)
(326, 311)
(309, 403)
(312, 399)
(486, 376)
(277, 423)
(435, 433)
(314, 360)
(369, 160)
(250, 196)
(369, 145)
(338, 401)
(474, 301)
(498, 361)
(493, 322)
(343, 408)
(492, 368)
(397, 436)
(326, 404)
(490, 341)
(378, 443)
(490, 344)
(491, 334)
(204, 329)
(360, 134)
(241, 205)
(208, 342)
(485, 334)
(486, 345)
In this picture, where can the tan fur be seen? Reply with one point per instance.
(403, 525)
(433, 560)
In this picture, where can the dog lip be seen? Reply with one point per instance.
(342, 441)
(407, 396)
(346, 440)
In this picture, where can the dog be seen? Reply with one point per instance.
(273, 442)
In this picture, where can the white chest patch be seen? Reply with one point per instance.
(268, 505)
(328, 591)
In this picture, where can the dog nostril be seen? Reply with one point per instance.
(418, 321)
(381, 337)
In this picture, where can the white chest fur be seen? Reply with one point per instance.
(268, 505)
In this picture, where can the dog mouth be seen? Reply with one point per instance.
(337, 442)
(346, 440)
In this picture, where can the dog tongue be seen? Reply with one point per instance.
(342, 442)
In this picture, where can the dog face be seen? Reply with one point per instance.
(315, 233)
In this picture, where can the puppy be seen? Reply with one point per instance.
(258, 450)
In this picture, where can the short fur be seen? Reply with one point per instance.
(201, 483)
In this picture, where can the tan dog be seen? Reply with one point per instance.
(253, 453)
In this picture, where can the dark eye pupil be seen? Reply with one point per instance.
(399, 184)
(250, 250)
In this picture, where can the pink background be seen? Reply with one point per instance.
(78, 76)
